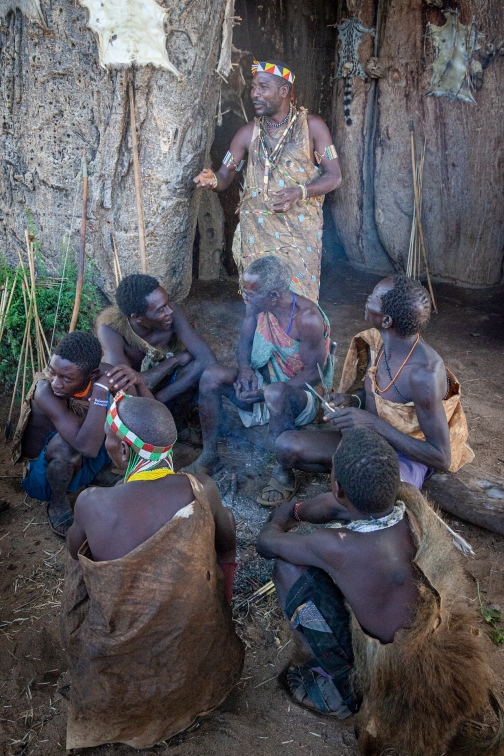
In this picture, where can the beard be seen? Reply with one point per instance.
(269, 109)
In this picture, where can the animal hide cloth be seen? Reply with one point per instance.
(435, 675)
(30, 8)
(224, 66)
(350, 33)
(454, 45)
(129, 31)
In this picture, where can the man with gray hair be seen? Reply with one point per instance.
(283, 340)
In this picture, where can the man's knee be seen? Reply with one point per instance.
(214, 377)
(289, 447)
(276, 393)
(58, 449)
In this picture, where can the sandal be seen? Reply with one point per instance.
(196, 468)
(275, 486)
(304, 682)
(54, 522)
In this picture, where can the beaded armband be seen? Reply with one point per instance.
(296, 511)
(229, 161)
(329, 152)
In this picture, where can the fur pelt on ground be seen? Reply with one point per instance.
(421, 689)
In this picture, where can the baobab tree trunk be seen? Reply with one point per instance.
(57, 102)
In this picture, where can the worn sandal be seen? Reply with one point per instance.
(275, 486)
(304, 682)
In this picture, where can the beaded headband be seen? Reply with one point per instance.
(146, 451)
(272, 68)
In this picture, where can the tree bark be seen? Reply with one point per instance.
(56, 100)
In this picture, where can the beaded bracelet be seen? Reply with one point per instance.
(296, 511)
(304, 192)
(215, 181)
(101, 402)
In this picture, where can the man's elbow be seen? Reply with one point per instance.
(445, 461)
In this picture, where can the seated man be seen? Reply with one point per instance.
(382, 595)
(154, 336)
(396, 384)
(60, 427)
(146, 620)
(283, 341)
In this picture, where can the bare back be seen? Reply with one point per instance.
(376, 574)
(117, 520)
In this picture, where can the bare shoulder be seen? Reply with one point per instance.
(316, 124)
(89, 501)
(309, 314)
(244, 134)
(108, 334)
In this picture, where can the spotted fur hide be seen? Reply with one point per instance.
(350, 33)
(454, 45)
(129, 31)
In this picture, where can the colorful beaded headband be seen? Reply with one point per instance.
(272, 68)
(146, 451)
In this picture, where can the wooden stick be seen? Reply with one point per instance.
(117, 264)
(419, 221)
(6, 311)
(82, 248)
(138, 187)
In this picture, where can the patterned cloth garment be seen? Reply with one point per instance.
(294, 236)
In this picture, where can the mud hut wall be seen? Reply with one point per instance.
(298, 33)
(463, 212)
(57, 102)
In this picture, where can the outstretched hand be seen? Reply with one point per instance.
(205, 179)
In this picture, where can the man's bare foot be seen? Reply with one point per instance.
(60, 516)
(281, 487)
(206, 464)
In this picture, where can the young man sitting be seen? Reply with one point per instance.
(146, 620)
(60, 429)
(381, 594)
(154, 337)
(284, 340)
(396, 384)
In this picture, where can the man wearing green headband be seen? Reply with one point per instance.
(292, 164)
(146, 618)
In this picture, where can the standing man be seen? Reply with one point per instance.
(292, 164)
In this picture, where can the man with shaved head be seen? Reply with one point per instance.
(292, 164)
(146, 619)
(394, 383)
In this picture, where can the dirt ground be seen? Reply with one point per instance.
(257, 717)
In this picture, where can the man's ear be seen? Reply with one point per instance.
(387, 322)
(284, 91)
(125, 450)
(338, 492)
(273, 295)
(94, 374)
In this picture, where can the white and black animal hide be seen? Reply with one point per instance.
(129, 31)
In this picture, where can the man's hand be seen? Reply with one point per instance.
(340, 400)
(246, 380)
(285, 199)
(205, 179)
(350, 418)
(122, 377)
(283, 516)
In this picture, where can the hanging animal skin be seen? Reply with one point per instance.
(30, 8)
(454, 45)
(129, 31)
(350, 33)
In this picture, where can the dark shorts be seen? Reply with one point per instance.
(35, 484)
(316, 608)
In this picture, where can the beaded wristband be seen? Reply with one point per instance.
(101, 402)
(304, 192)
(101, 386)
(296, 511)
(215, 181)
